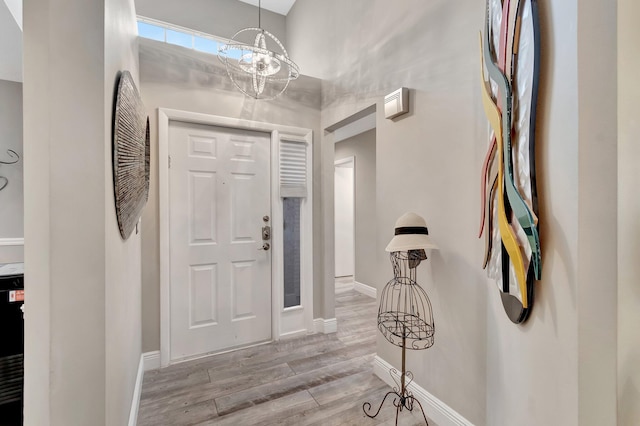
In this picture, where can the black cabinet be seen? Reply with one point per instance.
(11, 344)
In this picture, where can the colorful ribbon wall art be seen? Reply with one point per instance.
(510, 53)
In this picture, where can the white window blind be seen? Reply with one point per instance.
(293, 168)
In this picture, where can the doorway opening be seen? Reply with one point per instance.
(355, 204)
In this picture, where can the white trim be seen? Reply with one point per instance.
(346, 160)
(277, 219)
(364, 124)
(137, 390)
(367, 290)
(435, 409)
(11, 242)
(325, 326)
(295, 320)
(163, 216)
(282, 322)
(306, 243)
(151, 360)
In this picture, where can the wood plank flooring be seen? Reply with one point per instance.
(314, 380)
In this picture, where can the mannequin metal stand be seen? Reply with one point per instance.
(403, 397)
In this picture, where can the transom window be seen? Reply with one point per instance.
(173, 34)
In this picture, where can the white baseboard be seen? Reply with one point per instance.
(367, 290)
(11, 241)
(325, 326)
(435, 409)
(148, 361)
(151, 360)
(137, 390)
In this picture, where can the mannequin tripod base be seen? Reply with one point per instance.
(400, 401)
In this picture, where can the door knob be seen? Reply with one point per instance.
(265, 247)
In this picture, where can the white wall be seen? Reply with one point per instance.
(597, 212)
(64, 251)
(483, 366)
(82, 319)
(628, 214)
(11, 197)
(178, 78)
(344, 219)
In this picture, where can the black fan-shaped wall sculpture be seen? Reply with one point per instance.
(130, 155)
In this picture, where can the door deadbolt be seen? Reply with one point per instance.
(265, 218)
(266, 233)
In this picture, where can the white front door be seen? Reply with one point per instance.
(220, 280)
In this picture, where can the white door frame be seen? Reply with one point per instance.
(285, 322)
(338, 163)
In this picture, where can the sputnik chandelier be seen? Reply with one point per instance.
(258, 71)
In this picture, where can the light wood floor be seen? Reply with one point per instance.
(314, 380)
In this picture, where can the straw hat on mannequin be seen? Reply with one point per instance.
(412, 236)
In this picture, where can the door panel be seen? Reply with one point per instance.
(241, 277)
(220, 279)
(202, 212)
(242, 217)
(203, 292)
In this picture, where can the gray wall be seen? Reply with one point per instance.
(11, 197)
(178, 78)
(221, 18)
(628, 214)
(363, 148)
(489, 370)
(82, 319)
(123, 259)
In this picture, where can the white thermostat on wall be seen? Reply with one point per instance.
(396, 103)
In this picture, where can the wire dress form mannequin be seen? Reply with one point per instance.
(405, 318)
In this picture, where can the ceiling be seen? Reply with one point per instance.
(279, 6)
(11, 33)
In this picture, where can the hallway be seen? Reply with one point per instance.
(315, 380)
